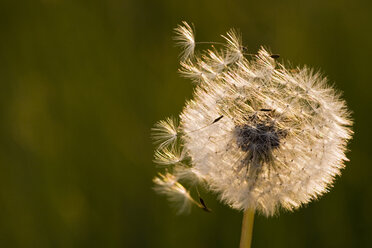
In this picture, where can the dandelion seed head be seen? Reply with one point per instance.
(258, 134)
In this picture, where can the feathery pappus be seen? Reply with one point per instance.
(260, 135)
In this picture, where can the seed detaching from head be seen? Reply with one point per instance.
(260, 135)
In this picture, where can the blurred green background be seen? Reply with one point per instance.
(82, 83)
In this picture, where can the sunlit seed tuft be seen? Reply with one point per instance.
(185, 38)
(164, 133)
(167, 184)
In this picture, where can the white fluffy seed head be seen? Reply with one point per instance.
(260, 135)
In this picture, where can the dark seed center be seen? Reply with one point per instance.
(258, 140)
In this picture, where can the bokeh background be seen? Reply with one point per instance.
(82, 83)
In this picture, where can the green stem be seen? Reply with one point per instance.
(247, 227)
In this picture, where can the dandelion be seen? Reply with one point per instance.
(263, 137)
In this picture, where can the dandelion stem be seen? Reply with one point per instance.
(247, 227)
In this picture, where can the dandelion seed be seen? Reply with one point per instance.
(185, 38)
(194, 72)
(234, 44)
(165, 132)
(167, 184)
(274, 56)
(261, 136)
(219, 60)
(169, 156)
